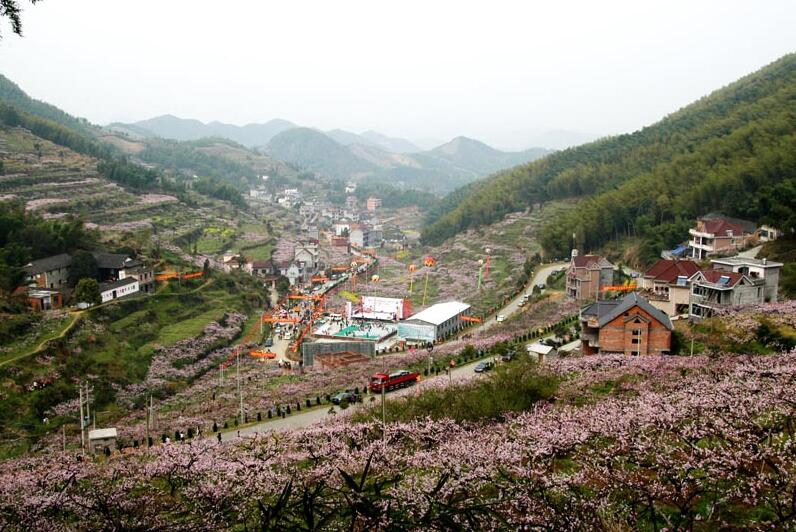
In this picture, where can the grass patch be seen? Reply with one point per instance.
(171, 334)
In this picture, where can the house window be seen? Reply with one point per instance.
(636, 332)
(635, 341)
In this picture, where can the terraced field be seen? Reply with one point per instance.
(57, 182)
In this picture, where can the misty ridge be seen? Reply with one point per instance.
(347, 155)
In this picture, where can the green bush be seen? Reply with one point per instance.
(514, 387)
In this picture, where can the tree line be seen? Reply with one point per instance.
(730, 151)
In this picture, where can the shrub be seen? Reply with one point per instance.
(509, 388)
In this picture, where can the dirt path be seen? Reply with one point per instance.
(76, 317)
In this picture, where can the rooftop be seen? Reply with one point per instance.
(441, 312)
(605, 311)
(104, 287)
(591, 262)
(48, 264)
(747, 261)
(114, 261)
(669, 270)
(101, 434)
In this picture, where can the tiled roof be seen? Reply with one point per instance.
(628, 302)
(48, 264)
(714, 276)
(114, 261)
(104, 287)
(591, 261)
(669, 270)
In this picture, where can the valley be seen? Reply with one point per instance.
(274, 326)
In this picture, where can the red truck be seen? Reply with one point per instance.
(399, 379)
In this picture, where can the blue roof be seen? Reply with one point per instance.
(679, 250)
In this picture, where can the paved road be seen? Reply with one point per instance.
(540, 277)
(751, 253)
(315, 415)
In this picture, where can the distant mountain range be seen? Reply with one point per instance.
(343, 154)
(172, 127)
(348, 155)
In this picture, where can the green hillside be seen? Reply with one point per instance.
(731, 151)
(311, 150)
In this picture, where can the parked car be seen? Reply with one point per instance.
(483, 366)
(508, 357)
(351, 397)
(288, 336)
(269, 342)
(501, 317)
(521, 303)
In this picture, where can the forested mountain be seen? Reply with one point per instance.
(731, 151)
(172, 127)
(122, 165)
(10, 93)
(345, 155)
(479, 158)
(309, 149)
(393, 144)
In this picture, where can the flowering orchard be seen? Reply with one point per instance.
(677, 443)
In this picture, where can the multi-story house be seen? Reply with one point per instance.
(667, 285)
(373, 203)
(50, 272)
(718, 235)
(117, 266)
(714, 290)
(586, 275)
(364, 236)
(755, 269)
(306, 253)
(629, 326)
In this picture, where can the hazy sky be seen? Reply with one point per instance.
(502, 72)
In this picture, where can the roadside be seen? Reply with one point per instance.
(513, 306)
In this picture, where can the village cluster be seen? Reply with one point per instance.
(714, 271)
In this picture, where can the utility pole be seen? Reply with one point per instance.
(82, 420)
(240, 390)
(383, 410)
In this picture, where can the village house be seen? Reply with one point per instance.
(351, 202)
(373, 203)
(40, 299)
(363, 236)
(306, 253)
(586, 275)
(766, 233)
(260, 268)
(117, 266)
(667, 285)
(719, 235)
(118, 289)
(714, 290)
(50, 272)
(629, 326)
(755, 269)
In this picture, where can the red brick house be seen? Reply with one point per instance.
(630, 326)
(586, 275)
